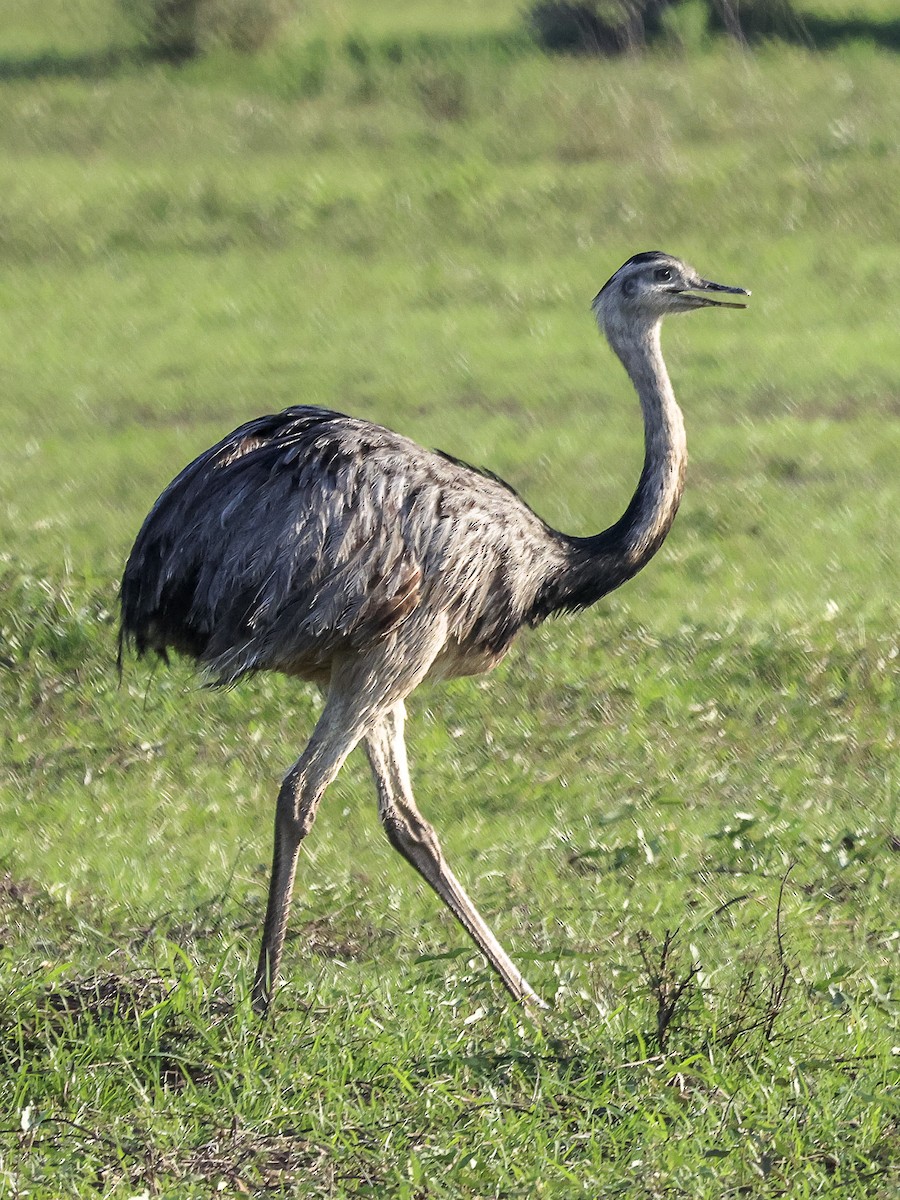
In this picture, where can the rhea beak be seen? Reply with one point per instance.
(704, 301)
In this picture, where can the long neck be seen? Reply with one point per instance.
(603, 562)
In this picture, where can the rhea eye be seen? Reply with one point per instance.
(662, 274)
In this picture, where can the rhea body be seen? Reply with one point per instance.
(332, 549)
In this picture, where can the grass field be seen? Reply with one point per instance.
(679, 811)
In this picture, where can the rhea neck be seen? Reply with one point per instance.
(604, 561)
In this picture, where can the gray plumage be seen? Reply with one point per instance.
(332, 549)
(311, 532)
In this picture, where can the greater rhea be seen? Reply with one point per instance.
(331, 549)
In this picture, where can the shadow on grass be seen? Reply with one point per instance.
(811, 30)
(99, 64)
(53, 64)
(90, 65)
(815, 32)
(826, 33)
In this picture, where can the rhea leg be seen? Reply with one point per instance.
(361, 690)
(411, 834)
(335, 735)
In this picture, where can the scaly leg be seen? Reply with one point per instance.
(410, 833)
(362, 688)
(335, 735)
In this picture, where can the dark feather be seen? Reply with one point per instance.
(308, 532)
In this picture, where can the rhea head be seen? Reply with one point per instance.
(649, 287)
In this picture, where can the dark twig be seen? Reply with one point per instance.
(728, 903)
(778, 991)
(665, 989)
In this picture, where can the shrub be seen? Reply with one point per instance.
(618, 26)
(753, 19)
(180, 29)
(595, 26)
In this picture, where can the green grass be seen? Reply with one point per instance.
(712, 750)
